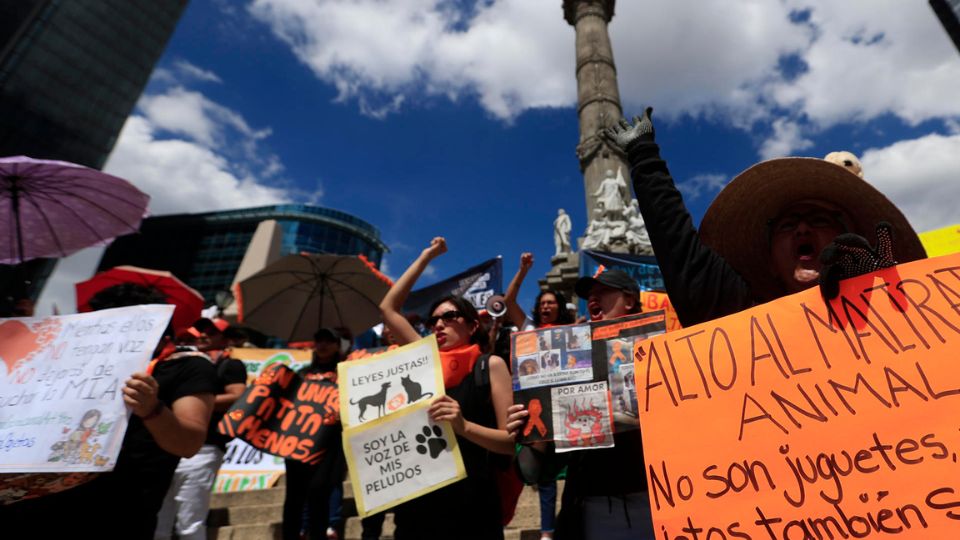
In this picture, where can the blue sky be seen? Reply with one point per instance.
(457, 118)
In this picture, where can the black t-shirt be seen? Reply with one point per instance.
(123, 503)
(229, 371)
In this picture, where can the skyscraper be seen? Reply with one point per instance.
(71, 72)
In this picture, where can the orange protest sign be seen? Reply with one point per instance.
(655, 301)
(801, 420)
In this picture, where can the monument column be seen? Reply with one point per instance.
(598, 97)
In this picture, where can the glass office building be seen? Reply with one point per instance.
(205, 250)
(72, 71)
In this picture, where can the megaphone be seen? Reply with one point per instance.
(496, 306)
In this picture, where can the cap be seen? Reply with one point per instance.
(326, 334)
(613, 278)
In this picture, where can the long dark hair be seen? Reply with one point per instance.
(563, 315)
(470, 316)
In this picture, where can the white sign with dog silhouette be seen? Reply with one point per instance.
(373, 387)
(400, 457)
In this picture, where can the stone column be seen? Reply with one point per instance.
(598, 98)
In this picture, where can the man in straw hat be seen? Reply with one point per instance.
(777, 228)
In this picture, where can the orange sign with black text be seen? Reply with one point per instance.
(802, 420)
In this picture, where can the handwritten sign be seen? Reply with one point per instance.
(800, 419)
(577, 380)
(283, 415)
(400, 457)
(395, 452)
(61, 382)
(375, 386)
(659, 301)
(244, 467)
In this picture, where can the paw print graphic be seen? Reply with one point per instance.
(431, 441)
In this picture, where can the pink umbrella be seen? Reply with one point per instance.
(54, 208)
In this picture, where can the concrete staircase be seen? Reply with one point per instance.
(257, 515)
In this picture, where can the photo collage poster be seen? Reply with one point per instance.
(577, 382)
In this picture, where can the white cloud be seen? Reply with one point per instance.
(920, 176)
(861, 59)
(197, 73)
(786, 140)
(212, 164)
(702, 183)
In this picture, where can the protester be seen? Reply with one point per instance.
(171, 409)
(765, 234)
(187, 502)
(549, 309)
(605, 496)
(311, 485)
(478, 394)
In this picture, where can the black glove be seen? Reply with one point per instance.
(850, 255)
(626, 136)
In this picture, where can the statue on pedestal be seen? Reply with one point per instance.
(561, 233)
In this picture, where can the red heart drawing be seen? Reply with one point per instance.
(17, 342)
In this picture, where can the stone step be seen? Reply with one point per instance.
(271, 496)
(260, 531)
(354, 528)
(245, 515)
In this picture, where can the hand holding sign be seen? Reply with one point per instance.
(140, 394)
(446, 409)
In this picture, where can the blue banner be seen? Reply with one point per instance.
(476, 284)
(642, 268)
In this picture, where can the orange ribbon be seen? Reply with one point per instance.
(534, 421)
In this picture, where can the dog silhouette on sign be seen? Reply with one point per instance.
(378, 400)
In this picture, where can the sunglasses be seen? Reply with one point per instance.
(815, 219)
(447, 316)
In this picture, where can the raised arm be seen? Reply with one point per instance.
(514, 311)
(392, 304)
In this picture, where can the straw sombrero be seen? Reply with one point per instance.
(736, 223)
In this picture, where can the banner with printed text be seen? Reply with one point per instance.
(800, 419)
(246, 468)
(576, 381)
(61, 386)
(394, 450)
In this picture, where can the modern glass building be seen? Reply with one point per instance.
(205, 250)
(71, 72)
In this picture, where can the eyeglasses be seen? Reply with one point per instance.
(815, 219)
(447, 316)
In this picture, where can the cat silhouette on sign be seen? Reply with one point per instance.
(378, 400)
(413, 389)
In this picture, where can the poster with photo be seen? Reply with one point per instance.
(615, 345)
(551, 365)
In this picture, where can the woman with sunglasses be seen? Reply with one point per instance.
(478, 394)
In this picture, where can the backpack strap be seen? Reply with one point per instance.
(481, 373)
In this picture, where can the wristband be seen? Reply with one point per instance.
(154, 413)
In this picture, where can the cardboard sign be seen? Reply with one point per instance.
(286, 416)
(577, 380)
(394, 450)
(798, 419)
(400, 457)
(244, 467)
(659, 301)
(378, 385)
(61, 386)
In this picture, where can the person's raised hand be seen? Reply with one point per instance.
(526, 260)
(437, 247)
(625, 135)
(850, 255)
